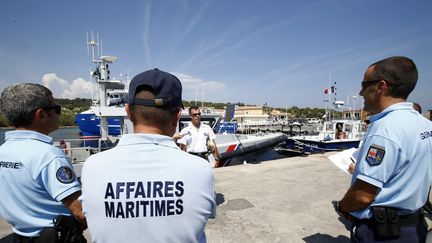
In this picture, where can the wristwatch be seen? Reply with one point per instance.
(216, 159)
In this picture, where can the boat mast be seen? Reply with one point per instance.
(101, 75)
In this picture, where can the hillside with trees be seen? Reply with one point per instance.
(72, 106)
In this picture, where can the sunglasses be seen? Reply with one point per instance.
(196, 114)
(366, 84)
(56, 108)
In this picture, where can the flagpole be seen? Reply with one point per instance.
(329, 98)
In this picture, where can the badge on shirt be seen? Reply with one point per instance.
(65, 174)
(375, 154)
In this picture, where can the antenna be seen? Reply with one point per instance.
(91, 78)
(354, 97)
(101, 48)
(91, 43)
(97, 41)
(88, 49)
(196, 94)
(202, 101)
(328, 109)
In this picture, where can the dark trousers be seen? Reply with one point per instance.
(49, 235)
(362, 233)
(7, 239)
(22, 239)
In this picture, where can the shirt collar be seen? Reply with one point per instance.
(28, 134)
(145, 138)
(394, 107)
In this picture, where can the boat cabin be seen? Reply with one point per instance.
(342, 129)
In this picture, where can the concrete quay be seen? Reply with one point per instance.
(285, 200)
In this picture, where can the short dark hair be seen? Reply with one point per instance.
(194, 107)
(19, 101)
(400, 72)
(150, 115)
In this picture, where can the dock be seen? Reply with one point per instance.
(285, 200)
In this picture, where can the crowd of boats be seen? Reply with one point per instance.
(105, 121)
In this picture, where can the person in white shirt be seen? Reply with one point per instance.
(196, 137)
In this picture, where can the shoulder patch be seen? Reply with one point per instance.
(65, 174)
(375, 154)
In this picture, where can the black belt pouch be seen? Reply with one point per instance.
(386, 221)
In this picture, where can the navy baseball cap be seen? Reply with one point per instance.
(166, 88)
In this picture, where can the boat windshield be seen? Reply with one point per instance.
(211, 121)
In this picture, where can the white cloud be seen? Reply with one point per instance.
(79, 88)
(196, 88)
(192, 83)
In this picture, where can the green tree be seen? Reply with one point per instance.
(67, 117)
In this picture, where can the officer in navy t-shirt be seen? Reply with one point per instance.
(146, 189)
(393, 171)
(37, 180)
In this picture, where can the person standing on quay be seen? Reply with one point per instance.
(146, 189)
(196, 136)
(393, 171)
(37, 180)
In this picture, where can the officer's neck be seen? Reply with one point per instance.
(139, 128)
(388, 101)
(35, 127)
(196, 124)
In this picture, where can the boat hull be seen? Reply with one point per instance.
(235, 149)
(89, 125)
(316, 146)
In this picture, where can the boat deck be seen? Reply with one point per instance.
(285, 200)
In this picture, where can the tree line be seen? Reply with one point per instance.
(72, 106)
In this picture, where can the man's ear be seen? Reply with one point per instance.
(383, 88)
(128, 112)
(40, 114)
(177, 118)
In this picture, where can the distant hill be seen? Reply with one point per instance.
(72, 106)
(80, 103)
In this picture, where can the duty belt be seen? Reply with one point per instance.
(202, 155)
(404, 220)
(199, 154)
(24, 239)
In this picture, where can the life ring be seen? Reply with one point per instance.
(65, 148)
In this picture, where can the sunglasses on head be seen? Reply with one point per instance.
(196, 114)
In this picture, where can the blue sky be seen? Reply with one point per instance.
(278, 52)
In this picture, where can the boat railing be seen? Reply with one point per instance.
(251, 127)
(79, 149)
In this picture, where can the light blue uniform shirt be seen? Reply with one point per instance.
(34, 177)
(147, 190)
(396, 157)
